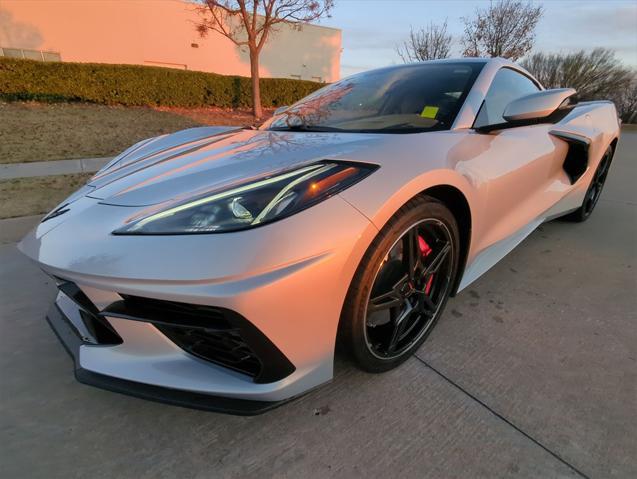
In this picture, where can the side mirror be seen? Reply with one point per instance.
(537, 106)
(281, 109)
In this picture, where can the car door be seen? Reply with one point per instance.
(518, 166)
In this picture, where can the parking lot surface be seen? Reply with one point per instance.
(532, 372)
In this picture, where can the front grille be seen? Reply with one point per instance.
(226, 348)
(218, 335)
(159, 311)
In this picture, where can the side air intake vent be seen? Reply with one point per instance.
(576, 161)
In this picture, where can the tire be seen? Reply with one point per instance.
(423, 225)
(593, 191)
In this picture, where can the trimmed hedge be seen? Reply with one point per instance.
(139, 85)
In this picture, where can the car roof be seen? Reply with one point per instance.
(496, 62)
(484, 60)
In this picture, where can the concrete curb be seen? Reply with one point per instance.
(49, 168)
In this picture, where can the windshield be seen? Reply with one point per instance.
(409, 98)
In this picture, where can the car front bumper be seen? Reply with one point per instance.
(288, 279)
(69, 337)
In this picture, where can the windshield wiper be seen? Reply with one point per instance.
(309, 128)
(388, 129)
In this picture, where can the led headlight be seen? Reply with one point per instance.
(254, 203)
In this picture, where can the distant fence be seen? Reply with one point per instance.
(41, 55)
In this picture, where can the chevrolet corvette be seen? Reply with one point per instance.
(222, 267)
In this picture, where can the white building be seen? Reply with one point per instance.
(159, 33)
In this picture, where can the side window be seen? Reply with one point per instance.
(507, 86)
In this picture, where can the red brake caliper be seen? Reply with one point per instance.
(425, 250)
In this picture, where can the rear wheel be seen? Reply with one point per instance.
(594, 190)
(401, 286)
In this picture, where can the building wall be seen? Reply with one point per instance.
(161, 33)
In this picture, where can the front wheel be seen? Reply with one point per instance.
(401, 286)
(594, 190)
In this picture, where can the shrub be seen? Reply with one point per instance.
(139, 85)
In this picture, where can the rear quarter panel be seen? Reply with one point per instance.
(597, 123)
(463, 159)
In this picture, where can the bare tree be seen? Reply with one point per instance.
(504, 29)
(428, 43)
(592, 74)
(251, 22)
(596, 75)
(626, 101)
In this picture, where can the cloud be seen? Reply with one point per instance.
(371, 30)
(609, 25)
(369, 39)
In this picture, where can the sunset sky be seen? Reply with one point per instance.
(372, 28)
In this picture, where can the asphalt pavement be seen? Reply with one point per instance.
(531, 373)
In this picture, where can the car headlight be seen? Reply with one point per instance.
(255, 203)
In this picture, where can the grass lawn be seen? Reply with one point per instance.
(38, 195)
(55, 131)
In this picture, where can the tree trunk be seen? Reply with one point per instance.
(256, 90)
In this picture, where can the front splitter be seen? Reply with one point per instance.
(65, 332)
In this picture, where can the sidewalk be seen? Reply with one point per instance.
(47, 168)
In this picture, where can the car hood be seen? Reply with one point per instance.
(198, 160)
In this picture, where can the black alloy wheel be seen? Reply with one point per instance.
(401, 286)
(409, 288)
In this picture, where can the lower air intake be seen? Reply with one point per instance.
(226, 348)
(218, 335)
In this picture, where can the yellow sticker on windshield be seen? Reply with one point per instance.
(429, 112)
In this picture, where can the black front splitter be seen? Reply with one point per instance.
(65, 332)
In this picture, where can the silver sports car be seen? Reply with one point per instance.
(219, 267)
